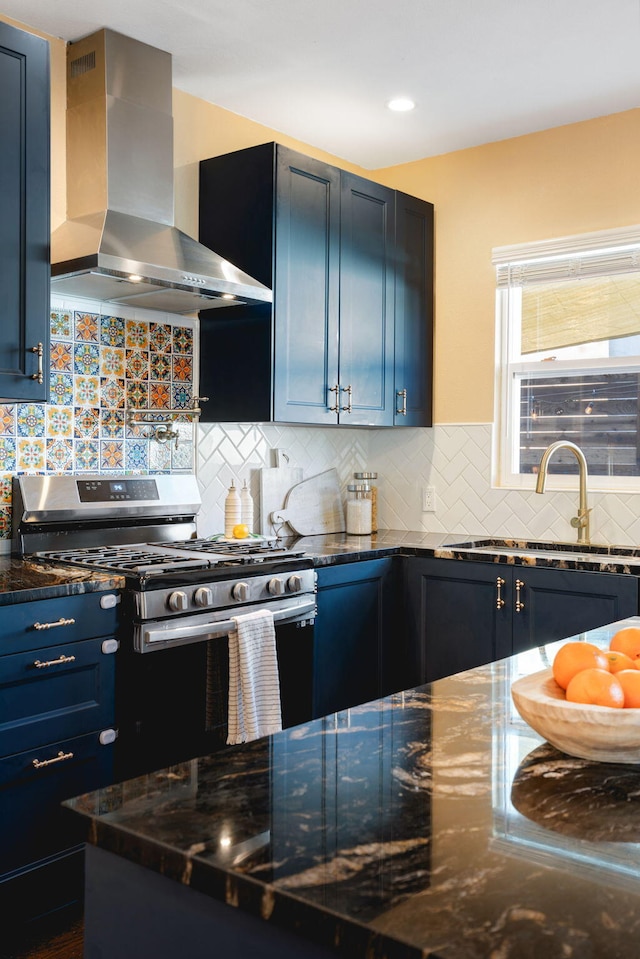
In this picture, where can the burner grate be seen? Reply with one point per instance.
(251, 551)
(124, 559)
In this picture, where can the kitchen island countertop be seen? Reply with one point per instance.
(433, 822)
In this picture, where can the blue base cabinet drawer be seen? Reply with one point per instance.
(49, 695)
(32, 786)
(53, 621)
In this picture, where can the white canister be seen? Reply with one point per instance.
(370, 479)
(232, 511)
(359, 509)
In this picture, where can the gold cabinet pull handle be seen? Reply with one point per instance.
(499, 599)
(54, 662)
(403, 408)
(60, 758)
(39, 374)
(59, 622)
(349, 391)
(334, 389)
(519, 602)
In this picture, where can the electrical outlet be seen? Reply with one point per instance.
(428, 499)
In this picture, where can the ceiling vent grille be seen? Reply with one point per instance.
(83, 64)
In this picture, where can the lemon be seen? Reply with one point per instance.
(240, 531)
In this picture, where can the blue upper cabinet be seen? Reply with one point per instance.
(306, 284)
(333, 347)
(413, 312)
(24, 224)
(367, 240)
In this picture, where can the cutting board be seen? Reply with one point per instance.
(313, 506)
(275, 483)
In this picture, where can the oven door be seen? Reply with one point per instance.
(199, 627)
(173, 706)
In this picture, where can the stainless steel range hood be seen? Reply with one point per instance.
(120, 243)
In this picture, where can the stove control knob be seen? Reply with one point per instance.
(178, 601)
(203, 596)
(276, 586)
(240, 592)
(295, 583)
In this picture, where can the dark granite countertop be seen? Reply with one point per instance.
(430, 823)
(335, 548)
(24, 581)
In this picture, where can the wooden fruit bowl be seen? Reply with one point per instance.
(589, 732)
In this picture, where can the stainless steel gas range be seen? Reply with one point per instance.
(181, 594)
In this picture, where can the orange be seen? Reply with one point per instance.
(627, 640)
(575, 656)
(618, 661)
(597, 687)
(629, 679)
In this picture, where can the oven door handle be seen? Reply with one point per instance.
(214, 630)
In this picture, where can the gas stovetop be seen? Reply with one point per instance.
(155, 559)
(145, 528)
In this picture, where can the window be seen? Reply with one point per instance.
(569, 356)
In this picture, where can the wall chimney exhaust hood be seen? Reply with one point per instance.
(119, 243)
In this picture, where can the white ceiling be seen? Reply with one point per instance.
(479, 70)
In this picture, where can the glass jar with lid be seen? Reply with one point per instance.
(370, 479)
(359, 509)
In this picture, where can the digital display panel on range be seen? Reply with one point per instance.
(119, 490)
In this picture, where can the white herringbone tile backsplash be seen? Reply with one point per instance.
(454, 459)
(238, 451)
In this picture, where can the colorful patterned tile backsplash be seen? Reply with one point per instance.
(100, 366)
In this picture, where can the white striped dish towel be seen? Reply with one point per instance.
(254, 684)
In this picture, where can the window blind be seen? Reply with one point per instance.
(580, 311)
(589, 255)
(576, 289)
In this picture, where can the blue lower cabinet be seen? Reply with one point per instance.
(33, 784)
(57, 734)
(464, 614)
(453, 617)
(50, 695)
(352, 632)
(556, 603)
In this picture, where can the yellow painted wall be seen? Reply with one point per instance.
(203, 130)
(563, 181)
(567, 180)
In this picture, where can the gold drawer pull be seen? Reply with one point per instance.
(59, 622)
(335, 389)
(519, 602)
(60, 758)
(54, 662)
(349, 391)
(403, 409)
(499, 599)
(39, 351)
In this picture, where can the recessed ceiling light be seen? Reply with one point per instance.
(401, 104)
